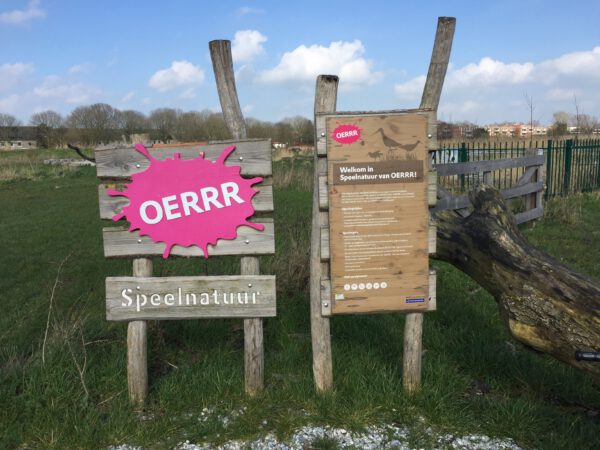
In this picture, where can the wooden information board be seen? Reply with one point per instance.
(378, 212)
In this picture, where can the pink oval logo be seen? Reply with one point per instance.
(346, 134)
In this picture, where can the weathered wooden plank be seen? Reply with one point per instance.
(178, 298)
(119, 242)
(526, 216)
(432, 188)
(320, 136)
(322, 365)
(432, 291)
(459, 202)
(110, 206)
(252, 155)
(137, 346)
(526, 177)
(325, 297)
(325, 256)
(323, 193)
(487, 166)
(432, 240)
(432, 143)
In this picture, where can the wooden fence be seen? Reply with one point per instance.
(529, 185)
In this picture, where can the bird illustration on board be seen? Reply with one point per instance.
(392, 145)
(376, 155)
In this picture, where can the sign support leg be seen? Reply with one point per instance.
(220, 53)
(137, 345)
(413, 328)
(325, 101)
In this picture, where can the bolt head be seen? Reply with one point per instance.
(241, 158)
(139, 241)
(429, 136)
(322, 134)
(249, 284)
(247, 241)
(326, 305)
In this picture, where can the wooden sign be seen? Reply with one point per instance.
(378, 212)
(173, 298)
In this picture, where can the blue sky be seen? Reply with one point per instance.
(60, 54)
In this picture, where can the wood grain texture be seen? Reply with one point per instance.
(222, 61)
(170, 298)
(413, 349)
(462, 201)
(110, 206)
(137, 346)
(432, 188)
(123, 162)
(325, 101)
(432, 91)
(465, 168)
(438, 64)
(120, 243)
(323, 193)
(379, 227)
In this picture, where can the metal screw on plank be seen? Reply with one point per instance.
(429, 136)
(249, 284)
(139, 241)
(138, 166)
(322, 134)
(247, 241)
(241, 158)
(138, 288)
(326, 304)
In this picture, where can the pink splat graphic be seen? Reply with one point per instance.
(188, 202)
(346, 134)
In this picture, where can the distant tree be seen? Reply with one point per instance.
(96, 123)
(163, 123)
(8, 125)
(301, 129)
(133, 122)
(560, 125)
(50, 128)
(480, 133)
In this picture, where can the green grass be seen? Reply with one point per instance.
(77, 396)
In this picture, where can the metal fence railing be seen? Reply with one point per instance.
(572, 165)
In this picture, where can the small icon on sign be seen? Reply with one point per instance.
(346, 287)
(383, 285)
(354, 287)
(361, 286)
(376, 285)
(369, 285)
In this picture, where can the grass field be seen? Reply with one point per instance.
(62, 365)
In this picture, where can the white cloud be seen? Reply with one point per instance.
(489, 72)
(344, 59)
(81, 68)
(9, 104)
(247, 45)
(180, 74)
(245, 10)
(188, 93)
(410, 90)
(12, 74)
(21, 16)
(128, 97)
(56, 87)
(247, 109)
(492, 90)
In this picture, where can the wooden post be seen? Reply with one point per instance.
(137, 345)
(413, 328)
(325, 101)
(220, 53)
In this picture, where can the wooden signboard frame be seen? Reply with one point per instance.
(378, 236)
(325, 103)
(250, 296)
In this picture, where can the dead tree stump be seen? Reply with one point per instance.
(546, 305)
